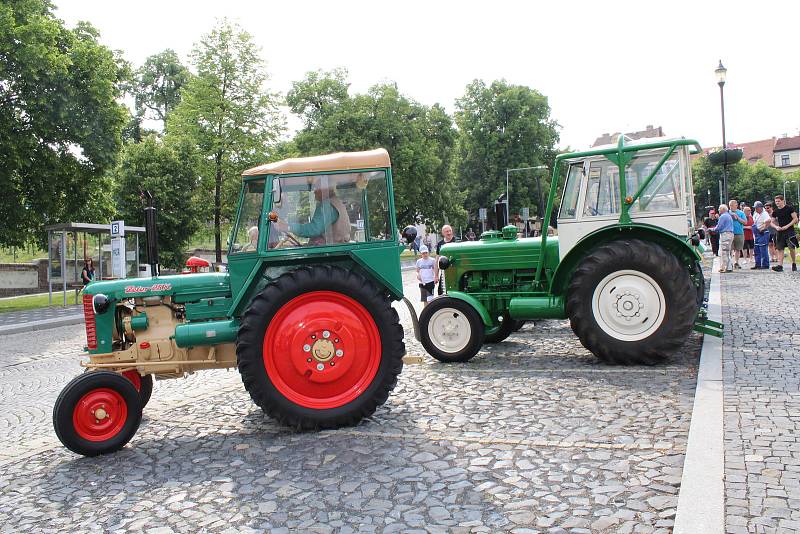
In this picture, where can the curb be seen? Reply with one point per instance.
(701, 501)
(44, 324)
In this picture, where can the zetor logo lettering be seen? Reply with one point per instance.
(145, 289)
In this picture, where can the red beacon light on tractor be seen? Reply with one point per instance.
(196, 265)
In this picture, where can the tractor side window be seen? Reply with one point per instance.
(602, 189)
(331, 209)
(377, 201)
(663, 193)
(569, 203)
(246, 235)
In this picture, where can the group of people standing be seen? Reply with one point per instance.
(428, 273)
(767, 230)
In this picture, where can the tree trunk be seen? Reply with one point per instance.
(218, 210)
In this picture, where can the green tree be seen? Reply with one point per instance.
(503, 126)
(158, 84)
(169, 171)
(60, 121)
(745, 182)
(227, 114)
(419, 140)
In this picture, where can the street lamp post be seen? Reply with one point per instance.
(538, 187)
(721, 73)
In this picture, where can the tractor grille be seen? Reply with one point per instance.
(91, 326)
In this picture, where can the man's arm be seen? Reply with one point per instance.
(794, 220)
(324, 215)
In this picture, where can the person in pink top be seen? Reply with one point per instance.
(749, 241)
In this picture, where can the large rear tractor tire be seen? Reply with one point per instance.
(97, 413)
(320, 347)
(631, 302)
(451, 330)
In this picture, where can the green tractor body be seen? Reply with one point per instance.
(625, 267)
(304, 310)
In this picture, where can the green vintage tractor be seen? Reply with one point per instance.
(304, 311)
(625, 266)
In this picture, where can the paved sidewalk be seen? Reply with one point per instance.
(39, 319)
(761, 370)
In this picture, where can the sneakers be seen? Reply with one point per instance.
(754, 267)
(737, 266)
(777, 268)
(794, 266)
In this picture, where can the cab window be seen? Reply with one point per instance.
(663, 193)
(569, 203)
(602, 189)
(246, 232)
(330, 209)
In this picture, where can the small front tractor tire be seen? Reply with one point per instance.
(97, 413)
(451, 330)
(320, 347)
(631, 302)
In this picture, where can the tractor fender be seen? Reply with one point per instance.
(414, 318)
(683, 250)
(475, 303)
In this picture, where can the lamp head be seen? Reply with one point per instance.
(720, 72)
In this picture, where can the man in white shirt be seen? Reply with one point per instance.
(761, 222)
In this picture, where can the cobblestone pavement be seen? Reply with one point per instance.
(532, 435)
(761, 366)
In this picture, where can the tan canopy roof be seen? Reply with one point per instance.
(340, 161)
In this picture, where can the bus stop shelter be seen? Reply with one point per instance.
(70, 244)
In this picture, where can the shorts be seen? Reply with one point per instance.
(786, 238)
(738, 241)
(426, 291)
(773, 236)
(749, 244)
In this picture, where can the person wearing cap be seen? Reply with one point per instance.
(329, 223)
(761, 224)
(426, 274)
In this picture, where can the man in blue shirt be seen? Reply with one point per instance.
(739, 220)
(725, 230)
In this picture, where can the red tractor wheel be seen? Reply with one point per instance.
(97, 413)
(320, 347)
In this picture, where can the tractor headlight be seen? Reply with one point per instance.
(444, 262)
(100, 303)
(696, 240)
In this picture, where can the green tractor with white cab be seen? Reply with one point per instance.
(304, 310)
(625, 268)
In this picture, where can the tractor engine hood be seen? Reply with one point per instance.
(500, 254)
(182, 288)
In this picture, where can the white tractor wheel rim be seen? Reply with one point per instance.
(629, 305)
(449, 330)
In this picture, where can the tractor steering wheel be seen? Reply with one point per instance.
(287, 237)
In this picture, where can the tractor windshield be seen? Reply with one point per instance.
(330, 209)
(663, 193)
(245, 234)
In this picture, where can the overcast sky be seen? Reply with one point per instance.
(605, 66)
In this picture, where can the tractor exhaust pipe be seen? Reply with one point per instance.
(500, 207)
(152, 233)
